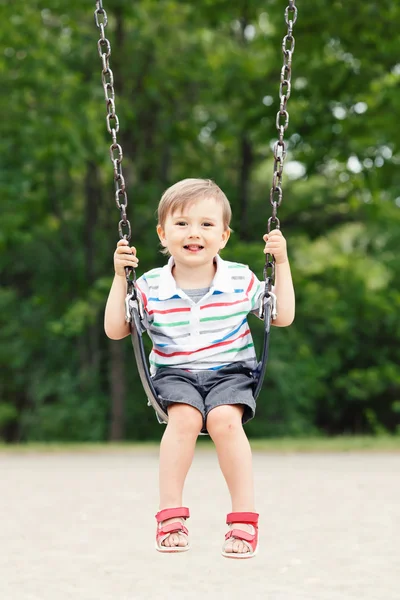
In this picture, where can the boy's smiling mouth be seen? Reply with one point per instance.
(193, 247)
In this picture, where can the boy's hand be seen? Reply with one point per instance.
(124, 256)
(275, 244)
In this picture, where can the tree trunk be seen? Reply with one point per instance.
(92, 200)
(118, 390)
(246, 151)
(244, 181)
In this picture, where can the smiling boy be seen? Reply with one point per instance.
(203, 357)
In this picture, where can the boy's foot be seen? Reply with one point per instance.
(172, 535)
(234, 545)
(174, 539)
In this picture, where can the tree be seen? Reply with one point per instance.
(197, 95)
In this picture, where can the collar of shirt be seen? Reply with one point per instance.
(222, 281)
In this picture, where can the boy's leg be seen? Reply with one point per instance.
(176, 455)
(224, 424)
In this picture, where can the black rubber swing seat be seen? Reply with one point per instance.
(134, 312)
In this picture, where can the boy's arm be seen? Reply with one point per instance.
(115, 325)
(284, 292)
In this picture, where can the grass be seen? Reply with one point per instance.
(276, 445)
(334, 444)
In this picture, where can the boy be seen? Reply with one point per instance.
(203, 356)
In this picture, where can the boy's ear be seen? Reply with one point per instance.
(161, 235)
(225, 237)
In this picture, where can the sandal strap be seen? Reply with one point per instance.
(172, 528)
(241, 535)
(249, 518)
(171, 513)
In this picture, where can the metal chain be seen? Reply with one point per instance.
(282, 122)
(116, 154)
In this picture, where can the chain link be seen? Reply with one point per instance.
(116, 154)
(282, 123)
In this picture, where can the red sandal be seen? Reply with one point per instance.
(163, 531)
(250, 539)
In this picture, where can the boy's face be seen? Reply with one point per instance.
(194, 234)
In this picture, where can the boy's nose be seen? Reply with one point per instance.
(194, 232)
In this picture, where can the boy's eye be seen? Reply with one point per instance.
(183, 223)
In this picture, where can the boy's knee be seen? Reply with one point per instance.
(225, 420)
(185, 418)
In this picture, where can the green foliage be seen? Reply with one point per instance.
(71, 418)
(8, 414)
(195, 84)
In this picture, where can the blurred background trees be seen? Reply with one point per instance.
(197, 95)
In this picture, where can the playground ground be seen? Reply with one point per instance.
(80, 525)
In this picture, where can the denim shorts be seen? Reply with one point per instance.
(204, 390)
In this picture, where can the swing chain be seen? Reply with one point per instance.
(116, 154)
(282, 122)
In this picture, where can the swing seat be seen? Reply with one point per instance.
(135, 316)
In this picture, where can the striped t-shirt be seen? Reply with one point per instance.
(208, 334)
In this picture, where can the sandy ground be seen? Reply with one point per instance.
(81, 526)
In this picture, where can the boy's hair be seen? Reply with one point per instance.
(186, 191)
